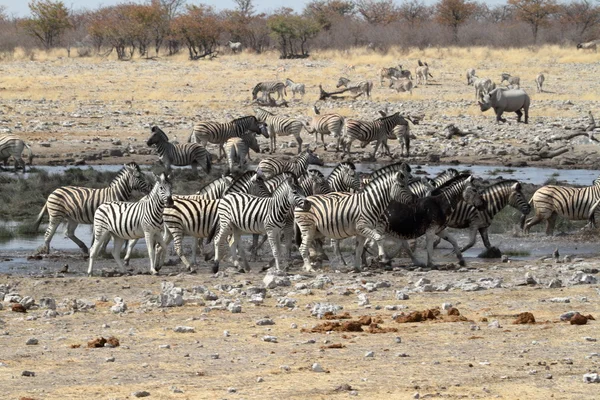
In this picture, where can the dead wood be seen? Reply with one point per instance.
(453, 130)
(544, 153)
(334, 95)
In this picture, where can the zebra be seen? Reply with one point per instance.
(313, 182)
(402, 85)
(179, 154)
(340, 216)
(422, 73)
(360, 88)
(240, 212)
(78, 204)
(482, 87)
(389, 73)
(11, 145)
(298, 165)
(572, 203)
(279, 125)
(127, 221)
(512, 80)
(343, 178)
(593, 45)
(368, 131)
(267, 88)
(215, 189)
(470, 76)
(326, 123)
(218, 133)
(539, 82)
(385, 170)
(400, 132)
(496, 197)
(238, 149)
(235, 47)
(295, 87)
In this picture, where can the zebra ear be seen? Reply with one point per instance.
(517, 186)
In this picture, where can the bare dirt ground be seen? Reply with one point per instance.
(73, 110)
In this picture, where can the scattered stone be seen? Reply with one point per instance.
(170, 295)
(27, 302)
(555, 283)
(401, 295)
(17, 307)
(398, 339)
(234, 308)
(259, 379)
(231, 390)
(164, 346)
(343, 388)
(274, 279)
(270, 339)
(494, 324)
(47, 302)
(321, 309)
(560, 300)
(524, 318)
(110, 359)
(591, 378)
(581, 278)
(320, 282)
(215, 356)
(369, 354)
(119, 307)
(31, 342)
(286, 302)
(226, 334)
(175, 389)
(140, 393)
(265, 321)
(589, 339)
(446, 306)
(568, 315)
(50, 314)
(27, 373)
(363, 300)
(184, 329)
(316, 367)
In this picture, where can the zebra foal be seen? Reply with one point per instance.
(77, 205)
(11, 145)
(179, 154)
(122, 221)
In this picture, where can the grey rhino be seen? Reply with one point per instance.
(510, 100)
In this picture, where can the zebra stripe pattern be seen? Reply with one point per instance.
(239, 213)
(298, 166)
(282, 126)
(496, 197)
(571, 203)
(368, 131)
(340, 216)
(78, 204)
(360, 88)
(218, 133)
(127, 221)
(13, 146)
(267, 88)
(238, 150)
(326, 123)
(295, 87)
(344, 178)
(313, 182)
(179, 154)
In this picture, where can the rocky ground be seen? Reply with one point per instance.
(253, 335)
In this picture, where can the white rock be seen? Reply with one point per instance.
(591, 378)
(316, 367)
(184, 329)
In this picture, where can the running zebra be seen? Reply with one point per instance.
(326, 123)
(13, 146)
(360, 88)
(243, 213)
(218, 132)
(295, 87)
(238, 150)
(496, 197)
(179, 154)
(368, 131)
(341, 216)
(572, 203)
(298, 165)
(267, 88)
(282, 126)
(128, 221)
(77, 205)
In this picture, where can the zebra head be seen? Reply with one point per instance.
(517, 199)
(342, 82)
(297, 198)
(163, 188)
(313, 158)
(137, 180)
(472, 196)
(157, 136)
(251, 142)
(350, 178)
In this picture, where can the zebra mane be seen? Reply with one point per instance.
(240, 119)
(389, 168)
(450, 184)
(265, 111)
(240, 182)
(502, 183)
(350, 165)
(380, 178)
(215, 183)
(386, 117)
(123, 171)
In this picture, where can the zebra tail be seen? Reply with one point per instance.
(208, 163)
(213, 231)
(37, 222)
(30, 153)
(297, 235)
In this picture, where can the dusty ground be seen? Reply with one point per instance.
(84, 109)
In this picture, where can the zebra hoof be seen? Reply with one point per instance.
(215, 268)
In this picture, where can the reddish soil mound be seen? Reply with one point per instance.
(352, 326)
(524, 318)
(432, 314)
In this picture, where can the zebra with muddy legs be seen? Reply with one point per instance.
(496, 196)
(219, 133)
(266, 88)
(13, 146)
(571, 203)
(332, 124)
(279, 125)
(179, 154)
(77, 205)
(298, 165)
(238, 150)
(128, 221)
(243, 213)
(368, 131)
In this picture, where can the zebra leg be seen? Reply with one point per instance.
(360, 245)
(369, 233)
(338, 251)
(550, 223)
(99, 240)
(219, 240)
(237, 248)
(116, 251)
(429, 236)
(161, 253)
(410, 253)
(484, 236)
(70, 233)
(161, 244)
(274, 236)
(150, 241)
(307, 234)
(473, 238)
(444, 235)
(533, 221)
(52, 225)
(130, 247)
(299, 140)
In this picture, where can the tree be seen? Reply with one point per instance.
(581, 15)
(292, 31)
(50, 19)
(535, 13)
(244, 7)
(454, 13)
(381, 12)
(199, 29)
(326, 12)
(413, 11)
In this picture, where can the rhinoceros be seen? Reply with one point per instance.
(510, 100)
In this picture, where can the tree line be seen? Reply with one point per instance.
(173, 26)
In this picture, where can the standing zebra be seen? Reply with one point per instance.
(78, 204)
(572, 203)
(539, 82)
(128, 221)
(239, 213)
(339, 216)
(238, 150)
(344, 178)
(360, 88)
(297, 165)
(514, 82)
(179, 154)
(295, 87)
(368, 131)
(267, 88)
(496, 197)
(326, 123)
(11, 145)
(282, 126)
(218, 133)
